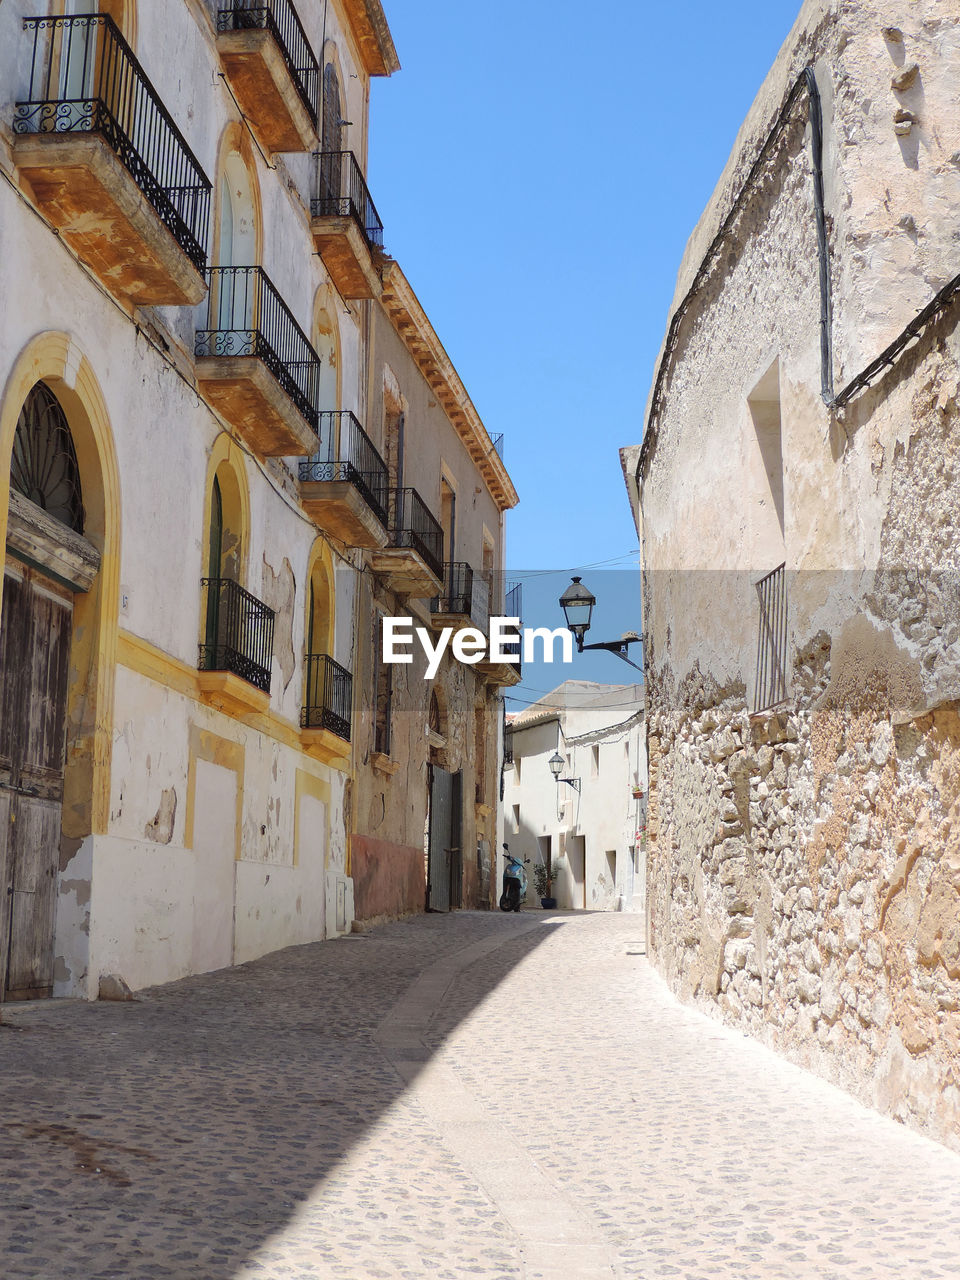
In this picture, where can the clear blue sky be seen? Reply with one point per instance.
(538, 166)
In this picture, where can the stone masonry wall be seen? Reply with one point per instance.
(804, 863)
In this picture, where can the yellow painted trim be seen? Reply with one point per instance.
(139, 655)
(228, 692)
(308, 785)
(322, 745)
(208, 746)
(55, 358)
(145, 659)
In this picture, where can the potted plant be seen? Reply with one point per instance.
(638, 793)
(543, 880)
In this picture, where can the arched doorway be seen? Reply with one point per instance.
(48, 561)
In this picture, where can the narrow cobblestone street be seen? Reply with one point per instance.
(468, 1095)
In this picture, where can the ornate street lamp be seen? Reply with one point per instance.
(577, 604)
(556, 768)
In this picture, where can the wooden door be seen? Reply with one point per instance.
(34, 657)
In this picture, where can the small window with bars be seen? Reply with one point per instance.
(771, 679)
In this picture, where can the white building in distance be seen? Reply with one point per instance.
(589, 825)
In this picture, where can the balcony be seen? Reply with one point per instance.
(505, 673)
(412, 562)
(346, 226)
(272, 71)
(325, 718)
(464, 600)
(237, 651)
(344, 486)
(255, 365)
(108, 167)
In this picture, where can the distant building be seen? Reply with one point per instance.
(591, 833)
(796, 499)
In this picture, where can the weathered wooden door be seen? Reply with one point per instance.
(445, 870)
(34, 656)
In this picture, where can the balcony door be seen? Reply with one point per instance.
(448, 522)
(78, 65)
(90, 70)
(237, 297)
(331, 142)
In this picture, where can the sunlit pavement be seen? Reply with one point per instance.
(475, 1095)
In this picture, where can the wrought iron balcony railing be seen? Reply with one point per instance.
(342, 193)
(247, 317)
(512, 608)
(238, 632)
(84, 78)
(346, 453)
(513, 600)
(466, 593)
(413, 525)
(328, 690)
(280, 18)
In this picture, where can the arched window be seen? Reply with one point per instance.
(319, 610)
(43, 465)
(235, 281)
(225, 545)
(326, 342)
(216, 529)
(224, 625)
(238, 215)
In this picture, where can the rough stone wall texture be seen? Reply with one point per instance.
(804, 862)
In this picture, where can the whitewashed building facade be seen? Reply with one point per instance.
(190, 485)
(590, 824)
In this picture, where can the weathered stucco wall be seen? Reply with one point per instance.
(223, 837)
(804, 870)
(391, 797)
(388, 879)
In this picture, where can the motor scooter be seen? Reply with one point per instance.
(514, 881)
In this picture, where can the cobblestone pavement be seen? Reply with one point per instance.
(474, 1095)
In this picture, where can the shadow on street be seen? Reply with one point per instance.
(169, 1137)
